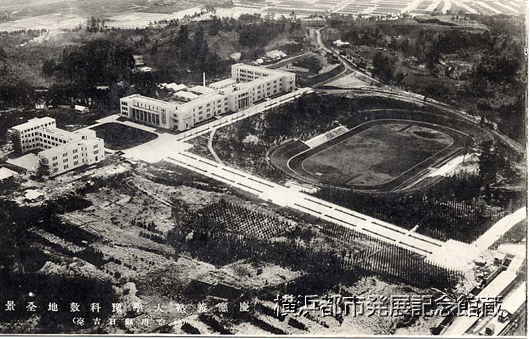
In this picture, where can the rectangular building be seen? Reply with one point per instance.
(61, 151)
(190, 106)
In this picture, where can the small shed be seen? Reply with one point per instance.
(6, 173)
(33, 195)
(81, 109)
(138, 60)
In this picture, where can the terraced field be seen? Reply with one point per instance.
(385, 7)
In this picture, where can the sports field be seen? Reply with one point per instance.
(377, 154)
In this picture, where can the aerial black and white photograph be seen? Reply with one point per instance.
(294, 168)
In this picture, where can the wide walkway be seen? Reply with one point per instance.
(283, 196)
(497, 230)
(173, 148)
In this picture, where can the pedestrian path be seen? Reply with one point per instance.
(283, 196)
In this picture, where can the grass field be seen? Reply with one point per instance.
(376, 155)
(119, 137)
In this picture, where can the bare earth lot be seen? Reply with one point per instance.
(376, 155)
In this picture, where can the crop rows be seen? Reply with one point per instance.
(443, 220)
(391, 261)
(398, 264)
(238, 219)
(388, 261)
(461, 221)
(514, 236)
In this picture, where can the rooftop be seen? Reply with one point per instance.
(222, 83)
(144, 98)
(6, 173)
(186, 95)
(201, 89)
(33, 123)
(174, 87)
(260, 69)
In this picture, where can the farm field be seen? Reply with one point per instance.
(385, 7)
(121, 229)
(377, 154)
(54, 14)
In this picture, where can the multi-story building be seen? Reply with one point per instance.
(189, 106)
(61, 151)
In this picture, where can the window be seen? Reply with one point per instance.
(65, 154)
(65, 160)
(74, 151)
(96, 152)
(65, 166)
(96, 146)
(76, 163)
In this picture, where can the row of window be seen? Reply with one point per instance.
(36, 128)
(55, 166)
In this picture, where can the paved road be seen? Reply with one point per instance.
(210, 147)
(283, 196)
(409, 96)
(497, 230)
(173, 148)
(346, 63)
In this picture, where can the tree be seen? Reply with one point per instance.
(182, 42)
(199, 48)
(43, 170)
(488, 164)
(48, 67)
(384, 67)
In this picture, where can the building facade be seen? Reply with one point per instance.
(61, 151)
(190, 106)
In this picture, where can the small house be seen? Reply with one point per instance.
(81, 109)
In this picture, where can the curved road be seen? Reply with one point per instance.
(408, 96)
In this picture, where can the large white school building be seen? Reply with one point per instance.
(62, 151)
(190, 106)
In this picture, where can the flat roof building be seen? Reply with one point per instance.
(61, 151)
(174, 87)
(190, 106)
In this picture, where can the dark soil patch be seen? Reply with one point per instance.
(120, 137)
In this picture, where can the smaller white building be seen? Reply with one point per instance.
(174, 87)
(275, 55)
(81, 109)
(341, 44)
(61, 151)
(138, 60)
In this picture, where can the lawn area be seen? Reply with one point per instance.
(120, 137)
(376, 155)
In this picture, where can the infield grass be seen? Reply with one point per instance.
(377, 154)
